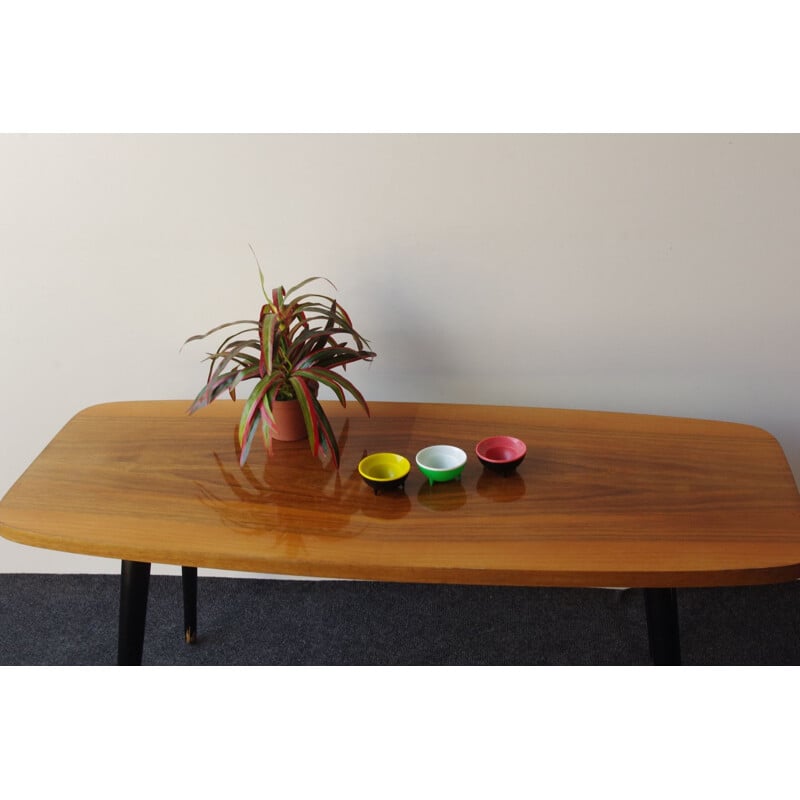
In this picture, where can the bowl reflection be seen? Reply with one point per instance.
(385, 505)
(442, 496)
(501, 488)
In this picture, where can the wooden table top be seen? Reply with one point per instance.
(602, 499)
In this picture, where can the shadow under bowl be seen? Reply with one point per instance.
(384, 471)
(441, 462)
(502, 454)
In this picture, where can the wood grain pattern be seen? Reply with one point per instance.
(602, 499)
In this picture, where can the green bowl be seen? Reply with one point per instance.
(384, 471)
(441, 462)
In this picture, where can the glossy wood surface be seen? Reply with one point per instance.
(602, 499)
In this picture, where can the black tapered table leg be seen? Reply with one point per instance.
(134, 586)
(661, 606)
(189, 583)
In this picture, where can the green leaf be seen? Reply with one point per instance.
(334, 357)
(247, 444)
(221, 359)
(305, 283)
(223, 383)
(324, 377)
(252, 406)
(268, 323)
(339, 384)
(317, 422)
(260, 271)
(306, 399)
(327, 433)
(266, 429)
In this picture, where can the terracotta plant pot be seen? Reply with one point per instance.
(289, 423)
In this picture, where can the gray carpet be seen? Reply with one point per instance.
(72, 620)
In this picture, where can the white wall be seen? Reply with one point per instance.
(626, 272)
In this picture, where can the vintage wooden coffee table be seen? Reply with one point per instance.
(602, 500)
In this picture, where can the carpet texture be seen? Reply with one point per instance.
(72, 620)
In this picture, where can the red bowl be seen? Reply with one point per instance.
(501, 454)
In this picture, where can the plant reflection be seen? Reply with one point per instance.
(297, 498)
(385, 505)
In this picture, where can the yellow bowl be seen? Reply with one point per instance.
(384, 471)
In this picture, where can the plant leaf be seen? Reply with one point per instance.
(307, 400)
(338, 383)
(266, 429)
(314, 415)
(260, 271)
(247, 444)
(266, 346)
(221, 359)
(327, 433)
(305, 283)
(334, 357)
(219, 328)
(223, 383)
(252, 405)
(325, 377)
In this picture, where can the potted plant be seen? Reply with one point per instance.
(295, 346)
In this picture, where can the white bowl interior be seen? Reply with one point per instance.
(441, 456)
